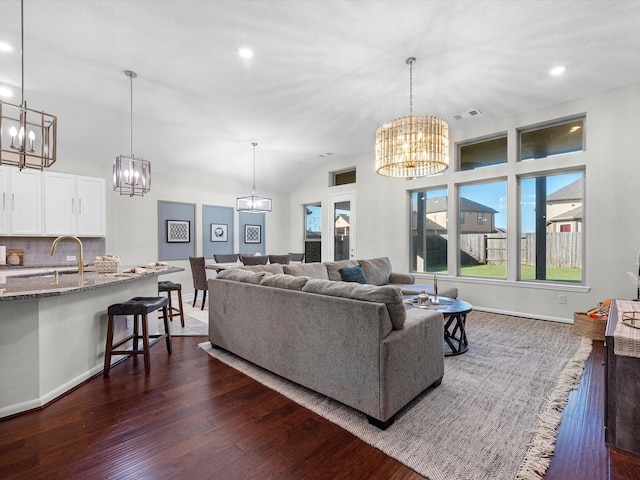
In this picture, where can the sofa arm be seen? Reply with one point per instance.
(405, 278)
(413, 359)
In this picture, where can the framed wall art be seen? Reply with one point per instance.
(252, 234)
(178, 231)
(219, 232)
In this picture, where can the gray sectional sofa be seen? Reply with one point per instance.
(355, 343)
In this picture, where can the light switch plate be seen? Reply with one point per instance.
(71, 258)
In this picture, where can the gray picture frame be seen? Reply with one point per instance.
(219, 232)
(252, 234)
(178, 231)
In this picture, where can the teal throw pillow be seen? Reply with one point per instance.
(353, 274)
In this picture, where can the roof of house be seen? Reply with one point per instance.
(572, 192)
(439, 204)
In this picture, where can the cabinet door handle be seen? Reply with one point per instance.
(80, 206)
(72, 205)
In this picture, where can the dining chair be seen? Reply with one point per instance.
(199, 275)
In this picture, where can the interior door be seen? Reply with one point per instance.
(342, 227)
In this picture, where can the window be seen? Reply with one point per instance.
(546, 208)
(558, 139)
(483, 244)
(312, 232)
(429, 231)
(483, 153)
(551, 220)
(342, 177)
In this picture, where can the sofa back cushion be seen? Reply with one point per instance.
(313, 270)
(376, 270)
(333, 268)
(271, 268)
(390, 296)
(242, 275)
(281, 280)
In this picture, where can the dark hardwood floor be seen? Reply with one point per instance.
(194, 417)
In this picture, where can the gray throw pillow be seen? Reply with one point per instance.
(271, 268)
(352, 274)
(377, 270)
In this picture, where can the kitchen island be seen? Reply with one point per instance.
(53, 330)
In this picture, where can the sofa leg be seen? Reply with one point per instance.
(379, 423)
(437, 382)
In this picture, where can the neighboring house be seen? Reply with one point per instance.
(564, 208)
(342, 225)
(474, 217)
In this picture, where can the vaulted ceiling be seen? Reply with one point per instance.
(324, 76)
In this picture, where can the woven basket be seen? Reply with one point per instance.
(589, 327)
(107, 266)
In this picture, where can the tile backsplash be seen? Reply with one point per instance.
(36, 249)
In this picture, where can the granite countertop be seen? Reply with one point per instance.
(45, 284)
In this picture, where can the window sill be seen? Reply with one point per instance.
(559, 287)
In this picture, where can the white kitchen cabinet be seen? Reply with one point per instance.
(91, 211)
(74, 205)
(5, 206)
(25, 201)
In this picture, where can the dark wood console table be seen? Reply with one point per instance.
(622, 386)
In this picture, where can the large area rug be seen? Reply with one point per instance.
(496, 414)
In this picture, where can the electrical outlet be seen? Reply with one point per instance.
(562, 299)
(71, 258)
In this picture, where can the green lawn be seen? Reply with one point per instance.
(528, 272)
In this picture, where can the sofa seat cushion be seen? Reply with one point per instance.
(353, 274)
(376, 270)
(312, 270)
(280, 280)
(390, 296)
(241, 275)
(333, 268)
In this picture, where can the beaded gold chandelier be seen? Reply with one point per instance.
(412, 146)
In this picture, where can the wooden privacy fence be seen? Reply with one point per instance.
(564, 249)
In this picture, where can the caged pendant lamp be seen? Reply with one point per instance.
(253, 203)
(413, 146)
(27, 136)
(131, 175)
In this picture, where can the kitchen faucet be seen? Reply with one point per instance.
(80, 259)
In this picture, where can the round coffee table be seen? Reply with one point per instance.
(455, 320)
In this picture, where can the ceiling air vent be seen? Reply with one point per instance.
(468, 114)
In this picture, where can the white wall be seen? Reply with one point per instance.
(132, 223)
(612, 221)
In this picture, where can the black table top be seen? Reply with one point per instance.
(446, 305)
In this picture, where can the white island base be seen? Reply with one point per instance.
(51, 344)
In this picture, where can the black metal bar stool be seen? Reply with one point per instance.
(139, 307)
(169, 287)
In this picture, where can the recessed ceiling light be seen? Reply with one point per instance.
(245, 52)
(559, 70)
(5, 47)
(6, 92)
